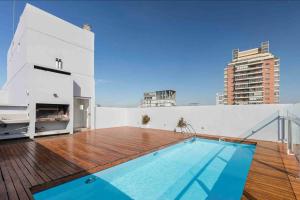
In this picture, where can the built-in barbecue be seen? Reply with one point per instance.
(52, 113)
(51, 118)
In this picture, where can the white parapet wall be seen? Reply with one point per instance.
(231, 121)
(3, 97)
(106, 117)
(295, 109)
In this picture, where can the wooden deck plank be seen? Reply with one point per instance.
(41, 167)
(51, 160)
(10, 188)
(21, 189)
(293, 168)
(21, 180)
(32, 168)
(3, 191)
(42, 157)
(32, 181)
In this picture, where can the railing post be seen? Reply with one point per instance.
(290, 138)
(282, 126)
(279, 129)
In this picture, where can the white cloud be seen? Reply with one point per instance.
(102, 81)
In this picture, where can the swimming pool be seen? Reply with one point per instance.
(193, 169)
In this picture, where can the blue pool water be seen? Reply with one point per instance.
(193, 169)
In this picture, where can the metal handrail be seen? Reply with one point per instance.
(267, 121)
(189, 125)
(260, 128)
(188, 129)
(294, 118)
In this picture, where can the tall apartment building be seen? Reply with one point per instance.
(159, 98)
(252, 77)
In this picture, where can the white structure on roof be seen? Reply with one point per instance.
(219, 98)
(50, 72)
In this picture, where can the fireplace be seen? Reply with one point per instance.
(52, 113)
(51, 118)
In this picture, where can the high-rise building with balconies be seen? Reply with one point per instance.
(252, 77)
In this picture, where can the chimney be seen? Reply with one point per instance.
(87, 27)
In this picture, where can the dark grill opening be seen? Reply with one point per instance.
(52, 112)
(51, 117)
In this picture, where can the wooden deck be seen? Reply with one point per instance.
(28, 166)
(268, 177)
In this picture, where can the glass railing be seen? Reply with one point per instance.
(260, 125)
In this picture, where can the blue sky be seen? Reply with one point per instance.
(153, 45)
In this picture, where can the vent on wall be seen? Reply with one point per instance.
(58, 63)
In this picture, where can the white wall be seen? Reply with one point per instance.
(107, 117)
(18, 86)
(233, 121)
(45, 22)
(16, 55)
(48, 38)
(46, 84)
(295, 109)
(3, 97)
(12, 109)
(40, 38)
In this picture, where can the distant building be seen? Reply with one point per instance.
(159, 98)
(252, 77)
(219, 99)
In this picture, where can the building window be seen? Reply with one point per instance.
(58, 63)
